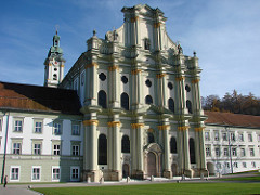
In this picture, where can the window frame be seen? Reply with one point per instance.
(58, 122)
(18, 173)
(250, 137)
(56, 142)
(72, 145)
(74, 124)
(15, 125)
(241, 137)
(72, 178)
(38, 178)
(207, 138)
(52, 174)
(208, 151)
(216, 135)
(35, 125)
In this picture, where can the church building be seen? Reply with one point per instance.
(129, 107)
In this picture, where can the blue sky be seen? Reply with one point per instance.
(224, 33)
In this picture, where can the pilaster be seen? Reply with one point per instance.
(114, 151)
(114, 86)
(138, 173)
(90, 151)
(91, 69)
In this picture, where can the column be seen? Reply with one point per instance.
(114, 151)
(200, 152)
(114, 86)
(92, 88)
(167, 168)
(138, 98)
(90, 151)
(139, 172)
(161, 89)
(137, 31)
(183, 151)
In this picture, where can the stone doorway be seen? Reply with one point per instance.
(151, 164)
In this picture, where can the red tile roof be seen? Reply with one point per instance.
(237, 120)
(40, 99)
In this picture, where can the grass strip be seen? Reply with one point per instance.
(165, 188)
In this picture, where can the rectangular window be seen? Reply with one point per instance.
(18, 125)
(56, 149)
(226, 152)
(75, 150)
(216, 136)
(241, 137)
(75, 129)
(242, 152)
(208, 151)
(224, 136)
(234, 151)
(56, 173)
(217, 151)
(233, 137)
(74, 173)
(250, 137)
(17, 148)
(15, 173)
(37, 149)
(227, 164)
(57, 128)
(252, 151)
(207, 137)
(253, 164)
(258, 137)
(235, 164)
(244, 164)
(35, 174)
(38, 126)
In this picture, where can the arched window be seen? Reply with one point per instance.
(148, 99)
(173, 145)
(125, 100)
(102, 149)
(125, 144)
(102, 99)
(150, 138)
(171, 104)
(189, 106)
(192, 151)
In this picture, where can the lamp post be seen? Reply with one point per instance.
(6, 134)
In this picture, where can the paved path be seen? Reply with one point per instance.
(16, 190)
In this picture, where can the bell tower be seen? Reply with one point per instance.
(54, 64)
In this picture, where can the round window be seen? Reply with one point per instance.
(102, 76)
(170, 86)
(148, 83)
(124, 79)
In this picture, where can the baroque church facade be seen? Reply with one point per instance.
(130, 106)
(136, 85)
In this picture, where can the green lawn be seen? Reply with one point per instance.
(165, 188)
(242, 179)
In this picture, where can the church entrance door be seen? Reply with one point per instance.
(151, 164)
